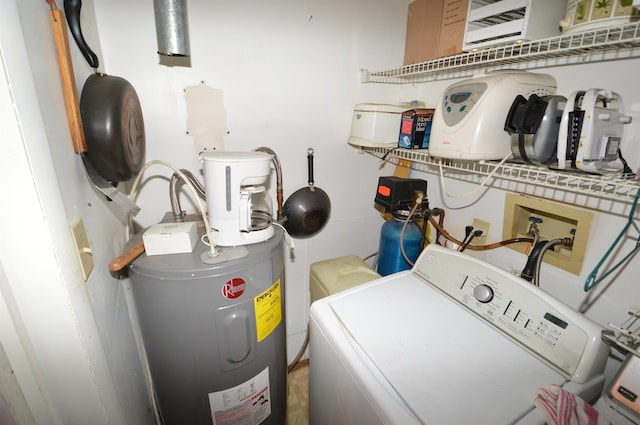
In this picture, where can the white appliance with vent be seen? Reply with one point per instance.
(452, 341)
(490, 22)
(469, 119)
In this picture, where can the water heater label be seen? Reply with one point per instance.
(234, 288)
(248, 403)
(268, 308)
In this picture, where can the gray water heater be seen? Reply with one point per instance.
(214, 335)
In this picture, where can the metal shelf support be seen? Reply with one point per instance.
(606, 187)
(619, 42)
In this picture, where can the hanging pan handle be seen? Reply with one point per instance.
(127, 257)
(72, 11)
(74, 117)
(310, 153)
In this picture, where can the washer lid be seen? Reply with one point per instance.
(446, 365)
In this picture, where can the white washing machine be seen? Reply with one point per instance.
(452, 341)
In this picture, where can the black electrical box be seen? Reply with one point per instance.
(395, 193)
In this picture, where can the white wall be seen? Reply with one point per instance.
(290, 75)
(48, 332)
(69, 343)
(289, 71)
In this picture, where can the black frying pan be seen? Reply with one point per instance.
(111, 114)
(308, 209)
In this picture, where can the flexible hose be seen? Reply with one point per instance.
(404, 227)
(476, 247)
(300, 352)
(173, 193)
(212, 247)
(549, 244)
(279, 191)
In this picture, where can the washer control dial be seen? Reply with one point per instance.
(483, 293)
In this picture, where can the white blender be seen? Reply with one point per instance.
(238, 207)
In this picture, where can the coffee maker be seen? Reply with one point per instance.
(239, 209)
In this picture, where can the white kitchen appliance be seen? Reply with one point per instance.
(469, 118)
(378, 124)
(591, 131)
(491, 23)
(533, 125)
(238, 206)
(452, 341)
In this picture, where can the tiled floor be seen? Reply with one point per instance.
(298, 397)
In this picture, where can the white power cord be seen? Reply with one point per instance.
(482, 184)
(287, 237)
(212, 247)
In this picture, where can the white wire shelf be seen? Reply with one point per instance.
(606, 187)
(619, 42)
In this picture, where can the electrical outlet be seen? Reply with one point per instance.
(553, 221)
(83, 248)
(480, 225)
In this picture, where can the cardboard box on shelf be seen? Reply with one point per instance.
(454, 19)
(415, 129)
(423, 31)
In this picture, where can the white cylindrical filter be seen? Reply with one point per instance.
(226, 175)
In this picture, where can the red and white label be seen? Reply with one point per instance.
(234, 288)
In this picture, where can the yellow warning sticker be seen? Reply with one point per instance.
(268, 308)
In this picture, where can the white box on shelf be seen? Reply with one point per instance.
(378, 124)
(491, 23)
(170, 238)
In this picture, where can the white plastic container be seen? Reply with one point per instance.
(331, 276)
(170, 238)
(585, 15)
(378, 124)
(509, 21)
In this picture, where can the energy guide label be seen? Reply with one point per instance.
(246, 404)
(268, 308)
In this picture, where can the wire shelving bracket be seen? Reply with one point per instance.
(618, 42)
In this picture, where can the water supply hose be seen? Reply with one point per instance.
(494, 245)
(531, 270)
(178, 215)
(418, 202)
(213, 251)
(279, 197)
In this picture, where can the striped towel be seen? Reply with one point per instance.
(561, 407)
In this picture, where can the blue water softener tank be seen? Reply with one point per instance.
(390, 258)
(214, 334)
(396, 196)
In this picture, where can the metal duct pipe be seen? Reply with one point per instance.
(172, 28)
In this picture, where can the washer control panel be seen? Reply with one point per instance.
(540, 323)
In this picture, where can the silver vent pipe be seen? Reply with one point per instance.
(172, 27)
